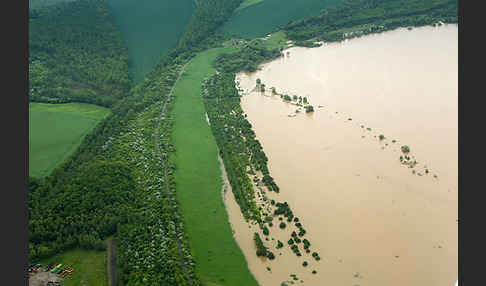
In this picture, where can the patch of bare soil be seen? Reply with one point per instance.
(41, 278)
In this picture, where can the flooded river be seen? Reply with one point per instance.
(373, 220)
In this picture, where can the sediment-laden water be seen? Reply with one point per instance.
(373, 220)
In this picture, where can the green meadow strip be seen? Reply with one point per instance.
(198, 180)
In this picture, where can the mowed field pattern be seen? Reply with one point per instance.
(266, 16)
(150, 28)
(219, 259)
(56, 130)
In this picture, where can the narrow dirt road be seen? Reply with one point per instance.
(111, 261)
(162, 160)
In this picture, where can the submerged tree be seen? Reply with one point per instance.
(405, 149)
(309, 108)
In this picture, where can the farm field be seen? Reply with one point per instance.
(89, 266)
(34, 4)
(55, 131)
(199, 183)
(258, 18)
(149, 29)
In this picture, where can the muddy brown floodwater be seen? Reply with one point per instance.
(373, 221)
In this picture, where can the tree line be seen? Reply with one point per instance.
(360, 17)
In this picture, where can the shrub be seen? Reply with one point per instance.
(405, 149)
(270, 255)
(381, 137)
(261, 249)
(302, 232)
(279, 244)
(266, 231)
(306, 243)
(305, 264)
(282, 225)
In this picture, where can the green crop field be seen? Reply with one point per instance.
(198, 180)
(34, 4)
(89, 266)
(55, 130)
(150, 28)
(258, 18)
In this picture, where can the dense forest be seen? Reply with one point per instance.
(352, 18)
(76, 54)
(82, 212)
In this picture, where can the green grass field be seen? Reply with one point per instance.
(198, 179)
(150, 28)
(55, 130)
(89, 267)
(259, 18)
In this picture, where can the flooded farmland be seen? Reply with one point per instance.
(373, 220)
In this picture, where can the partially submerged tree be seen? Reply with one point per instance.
(405, 149)
(309, 108)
